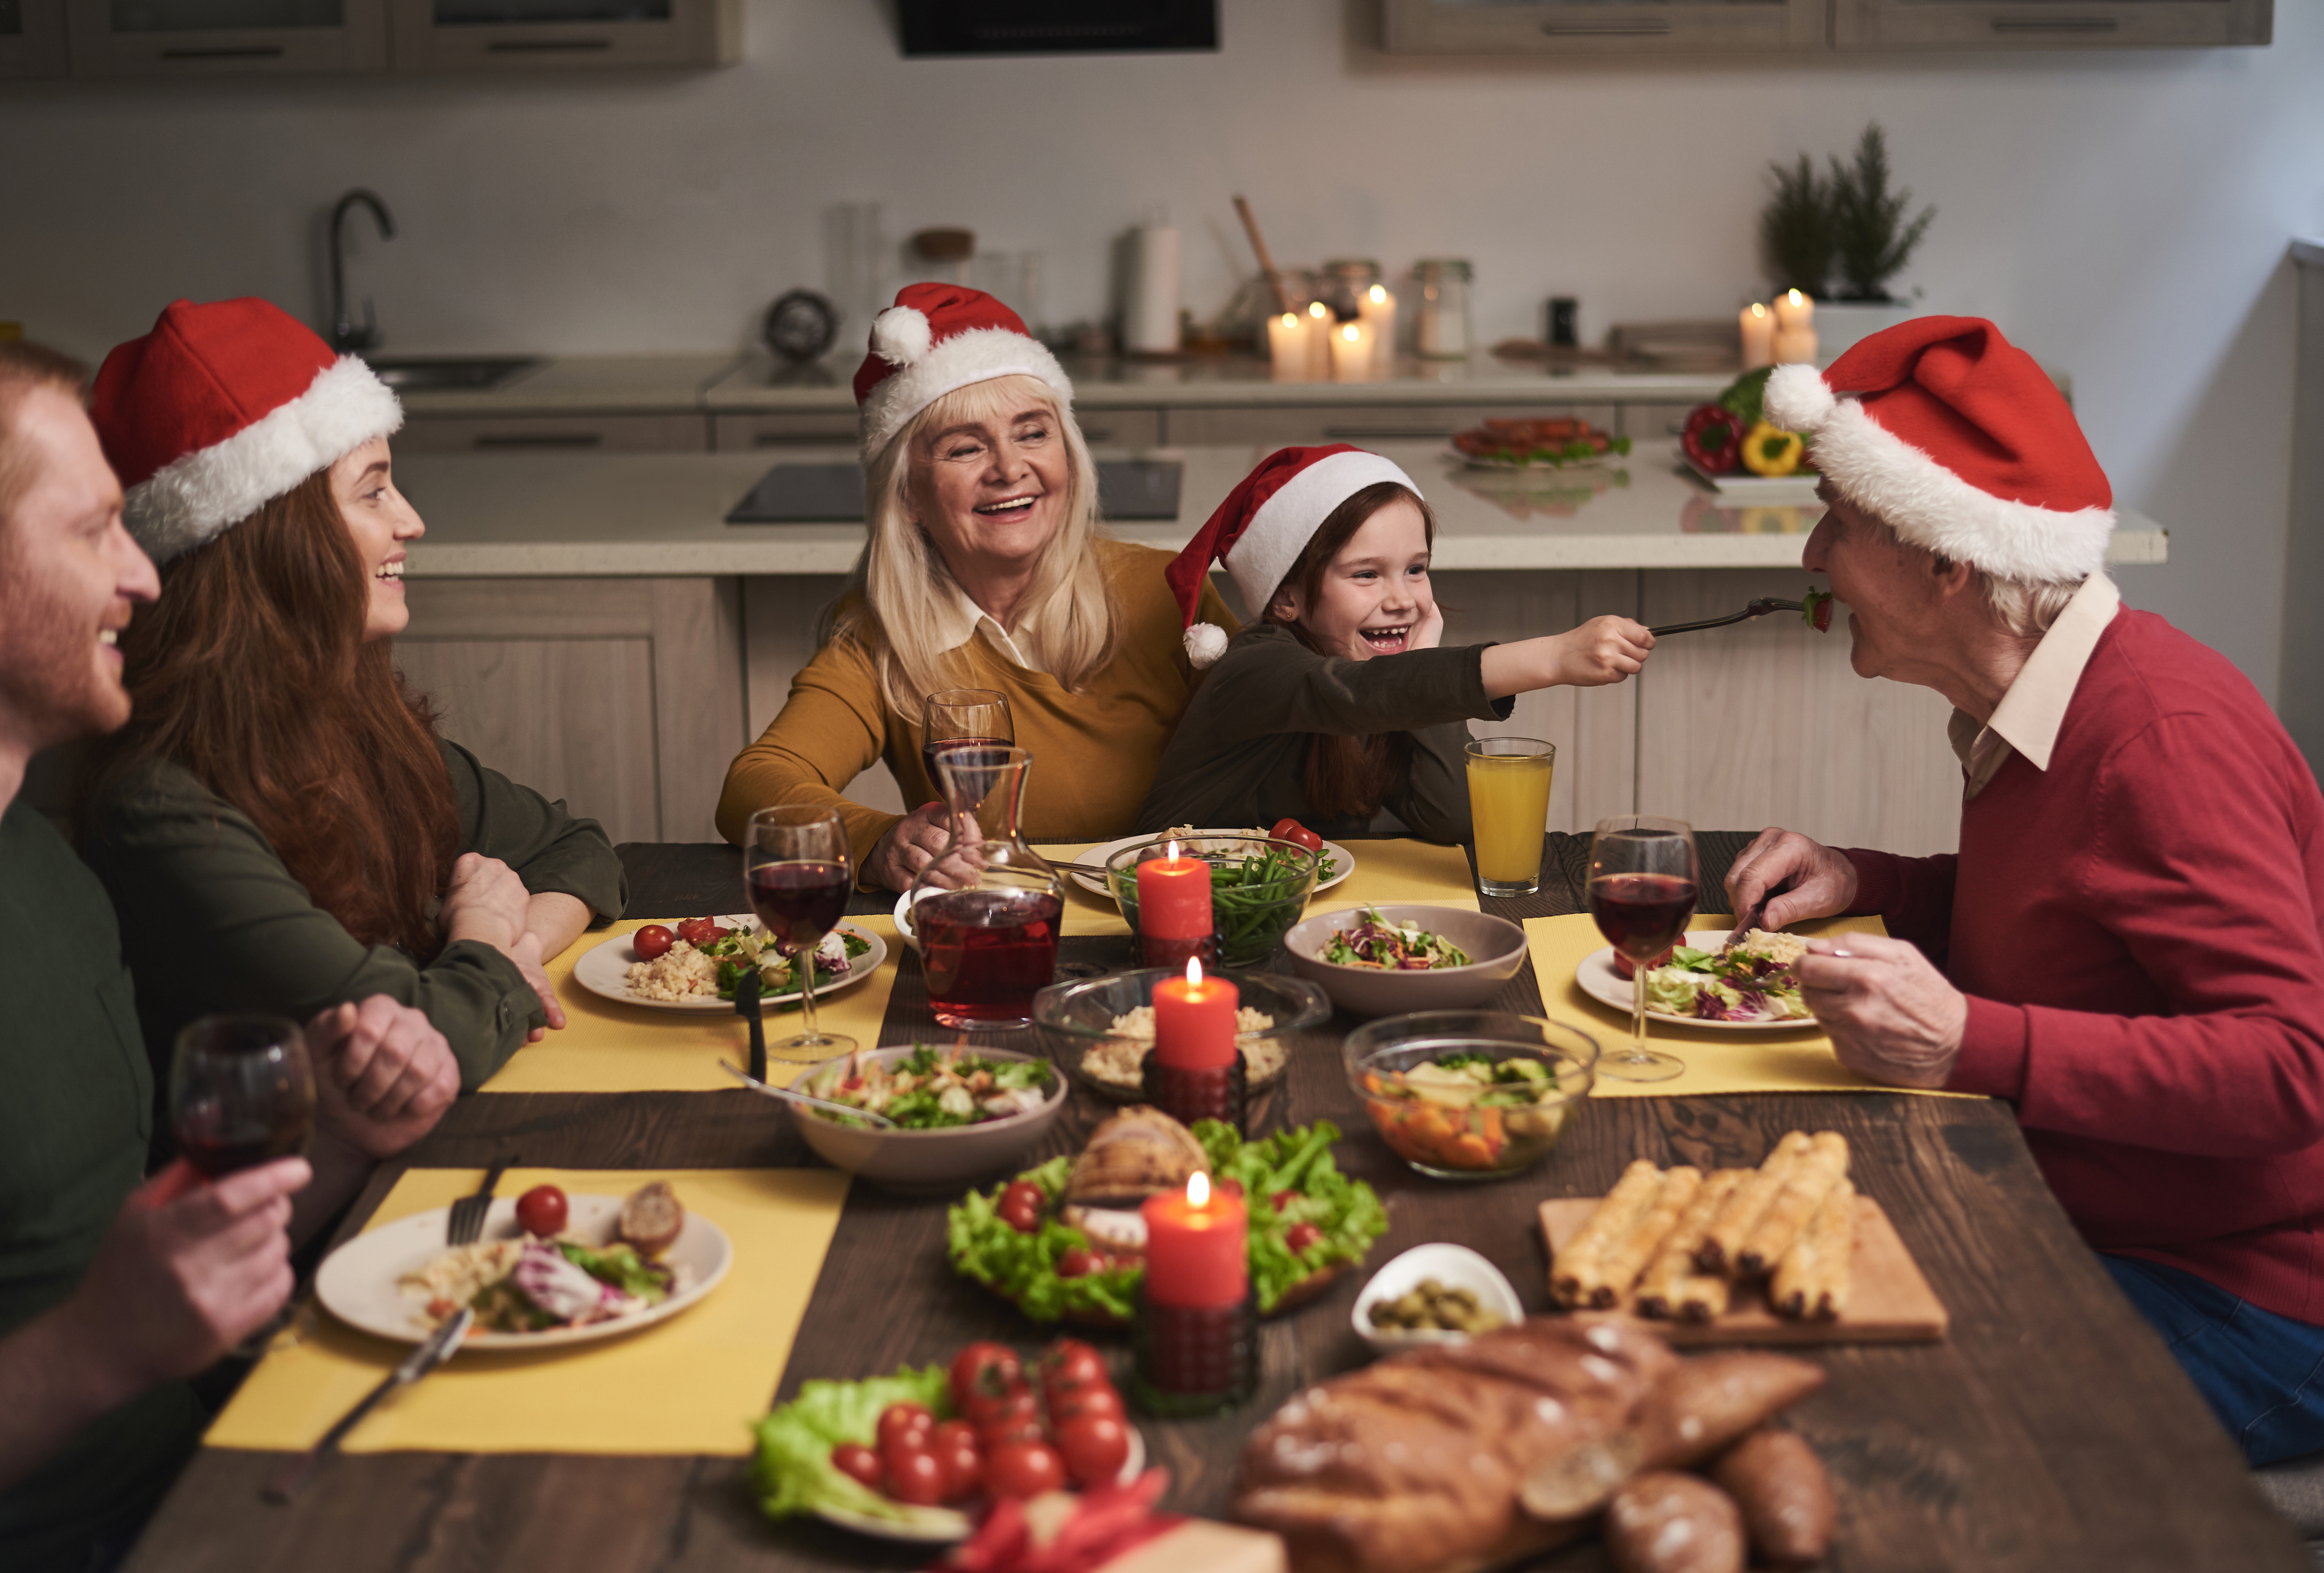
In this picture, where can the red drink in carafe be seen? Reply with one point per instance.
(987, 952)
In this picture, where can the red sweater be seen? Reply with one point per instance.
(2137, 930)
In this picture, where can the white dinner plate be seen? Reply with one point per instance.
(359, 1283)
(1342, 864)
(1600, 981)
(603, 969)
(937, 1526)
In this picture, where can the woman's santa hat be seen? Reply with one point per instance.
(1263, 526)
(1957, 439)
(937, 339)
(223, 408)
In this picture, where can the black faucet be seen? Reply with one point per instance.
(344, 335)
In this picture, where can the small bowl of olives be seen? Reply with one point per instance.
(1434, 1294)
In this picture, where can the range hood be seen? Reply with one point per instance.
(1022, 27)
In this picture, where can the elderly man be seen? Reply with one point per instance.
(2127, 945)
(114, 1289)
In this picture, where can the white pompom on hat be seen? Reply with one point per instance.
(937, 339)
(1258, 532)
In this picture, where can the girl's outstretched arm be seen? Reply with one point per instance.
(1604, 650)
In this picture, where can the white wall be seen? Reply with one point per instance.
(2123, 216)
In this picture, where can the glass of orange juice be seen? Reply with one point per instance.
(1508, 805)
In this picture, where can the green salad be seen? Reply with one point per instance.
(1376, 942)
(936, 1089)
(793, 1473)
(738, 951)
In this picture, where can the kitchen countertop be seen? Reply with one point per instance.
(598, 384)
(584, 516)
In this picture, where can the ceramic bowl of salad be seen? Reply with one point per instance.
(964, 1113)
(1259, 886)
(1100, 1028)
(1471, 1094)
(1384, 960)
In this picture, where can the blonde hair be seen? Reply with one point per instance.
(906, 590)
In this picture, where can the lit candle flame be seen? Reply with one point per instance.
(1198, 1189)
(1797, 299)
(1379, 294)
(1290, 319)
(1193, 972)
(1170, 851)
(1352, 333)
(1759, 310)
(1318, 309)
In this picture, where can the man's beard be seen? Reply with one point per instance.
(49, 675)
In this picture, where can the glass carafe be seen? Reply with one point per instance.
(989, 909)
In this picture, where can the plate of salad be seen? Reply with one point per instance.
(962, 1114)
(694, 965)
(1336, 864)
(1747, 987)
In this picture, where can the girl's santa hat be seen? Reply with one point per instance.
(1957, 439)
(1263, 526)
(220, 410)
(936, 338)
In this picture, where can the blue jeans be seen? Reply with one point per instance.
(2263, 1374)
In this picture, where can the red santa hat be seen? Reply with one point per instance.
(1263, 526)
(223, 408)
(937, 339)
(1955, 437)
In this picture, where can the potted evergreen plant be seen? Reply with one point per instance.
(1842, 238)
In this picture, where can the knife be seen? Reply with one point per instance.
(438, 1348)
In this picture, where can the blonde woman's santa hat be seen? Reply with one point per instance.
(222, 408)
(937, 339)
(1263, 526)
(1958, 440)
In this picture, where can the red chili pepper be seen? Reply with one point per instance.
(1714, 439)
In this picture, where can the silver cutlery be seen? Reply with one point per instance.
(880, 1120)
(438, 1348)
(465, 1223)
(1758, 608)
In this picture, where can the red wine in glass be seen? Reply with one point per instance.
(987, 952)
(1644, 877)
(799, 903)
(241, 1092)
(935, 746)
(1642, 915)
(797, 875)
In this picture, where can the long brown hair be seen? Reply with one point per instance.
(1348, 775)
(251, 673)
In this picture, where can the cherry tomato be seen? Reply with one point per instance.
(542, 1211)
(960, 1456)
(983, 1368)
(697, 931)
(1228, 1186)
(1024, 1469)
(1094, 1447)
(653, 939)
(1068, 1366)
(1291, 831)
(1077, 1263)
(1066, 1408)
(1022, 1204)
(904, 1426)
(1015, 1416)
(1299, 1237)
(1623, 964)
(1282, 1199)
(857, 1462)
(915, 1475)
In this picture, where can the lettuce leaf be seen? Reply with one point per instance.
(793, 1473)
(1024, 1267)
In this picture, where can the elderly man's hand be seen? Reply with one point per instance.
(1814, 881)
(1891, 1015)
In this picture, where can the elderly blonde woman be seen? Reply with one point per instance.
(985, 568)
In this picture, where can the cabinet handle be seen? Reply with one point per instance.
(1390, 433)
(538, 46)
(2055, 24)
(541, 440)
(253, 51)
(1643, 28)
(801, 438)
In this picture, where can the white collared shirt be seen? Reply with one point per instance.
(2028, 720)
(963, 619)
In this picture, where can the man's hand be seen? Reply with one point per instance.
(1604, 650)
(911, 845)
(485, 900)
(1813, 881)
(1891, 1015)
(384, 1074)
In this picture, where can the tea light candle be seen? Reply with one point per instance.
(1286, 346)
(1375, 309)
(1194, 1021)
(1759, 326)
(1352, 352)
(1197, 1248)
(1319, 341)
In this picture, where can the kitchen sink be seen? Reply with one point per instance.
(473, 374)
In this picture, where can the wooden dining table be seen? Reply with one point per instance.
(2050, 1430)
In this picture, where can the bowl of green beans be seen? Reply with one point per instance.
(1260, 888)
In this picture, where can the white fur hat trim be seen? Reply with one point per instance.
(977, 355)
(1279, 531)
(1204, 643)
(191, 501)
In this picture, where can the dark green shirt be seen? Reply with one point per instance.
(212, 920)
(73, 1130)
(1240, 755)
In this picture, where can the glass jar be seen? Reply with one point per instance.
(1442, 331)
(1344, 286)
(989, 909)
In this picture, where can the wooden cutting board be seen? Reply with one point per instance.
(1889, 1302)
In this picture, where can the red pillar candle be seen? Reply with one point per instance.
(1194, 1021)
(1174, 897)
(1197, 1248)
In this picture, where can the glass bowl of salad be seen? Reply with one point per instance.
(1388, 959)
(964, 1113)
(1258, 887)
(1471, 1094)
(1100, 1029)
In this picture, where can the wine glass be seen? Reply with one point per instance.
(1643, 880)
(798, 870)
(956, 717)
(241, 1092)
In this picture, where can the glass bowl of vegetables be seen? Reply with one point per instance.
(1471, 1094)
(1259, 885)
(961, 1114)
(1099, 1029)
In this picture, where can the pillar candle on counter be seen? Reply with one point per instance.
(1286, 346)
(1197, 1249)
(1351, 353)
(1758, 337)
(1173, 907)
(1319, 342)
(1794, 310)
(1376, 308)
(1795, 336)
(1195, 1020)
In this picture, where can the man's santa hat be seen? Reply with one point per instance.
(223, 408)
(1953, 434)
(1263, 526)
(937, 339)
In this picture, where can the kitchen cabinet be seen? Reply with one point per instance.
(32, 38)
(1917, 25)
(502, 35)
(1586, 27)
(1100, 427)
(1274, 425)
(580, 433)
(2299, 687)
(199, 38)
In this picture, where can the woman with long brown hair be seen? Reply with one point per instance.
(280, 824)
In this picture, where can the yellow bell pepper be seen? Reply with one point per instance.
(1770, 451)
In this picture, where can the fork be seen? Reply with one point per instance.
(1758, 608)
(465, 1226)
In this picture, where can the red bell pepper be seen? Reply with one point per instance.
(1713, 440)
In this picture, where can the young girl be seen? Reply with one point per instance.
(1337, 701)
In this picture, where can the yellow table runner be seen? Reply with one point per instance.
(606, 1047)
(1717, 1062)
(1386, 871)
(691, 1384)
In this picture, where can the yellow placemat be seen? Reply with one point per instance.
(1716, 1062)
(691, 1384)
(606, 1047)
(1386, 871)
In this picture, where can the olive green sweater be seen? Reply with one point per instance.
(211, 920)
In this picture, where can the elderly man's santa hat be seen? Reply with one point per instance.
(1951, 434)
(937, 339)
(1263, 526)
(223, 408)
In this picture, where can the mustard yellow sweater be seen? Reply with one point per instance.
(1095, 752)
